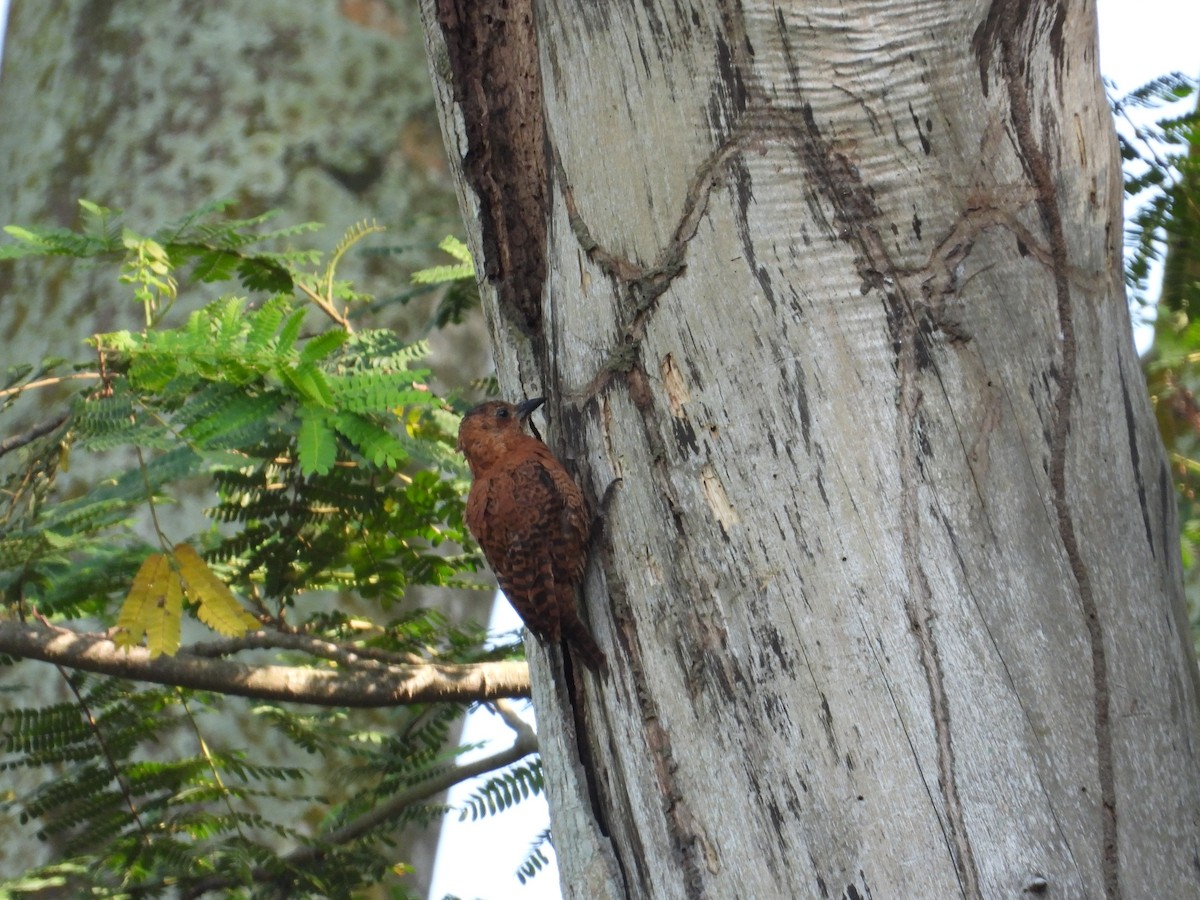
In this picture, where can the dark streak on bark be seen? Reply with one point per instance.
(684, 834)
(1008, 28)
(826, 716)
(926, 148)
(688, 843)
(497, 82)
(834, 176)
(1135, 460)
(1015, 14)
(802, 406)
(1166, 506)
(743, 191)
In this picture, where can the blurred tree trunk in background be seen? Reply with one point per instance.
(320, 110)
(890, 589)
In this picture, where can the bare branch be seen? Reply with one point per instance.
(20, 440)
(395, 685)
(47, 382)
(385, 812)
(326, 307)
(513, 720)
(364, 657)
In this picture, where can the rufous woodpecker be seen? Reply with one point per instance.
(532, 522)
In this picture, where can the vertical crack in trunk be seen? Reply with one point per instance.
(919, 608)
(1005, 22)
(908, 341)
(835, 176)
(497, 82)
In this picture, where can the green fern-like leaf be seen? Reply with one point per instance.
(352, 236)
(375, 443)
(290, 331)
(535, 860)
(462, 269)
(44, 736)
(309, 383)
(241, 419)
(262, 273)
(378, 392)
(381, 350)
(322, 345)
(100, 223)
(443, 274)
(216, 265)
(265, 321)
(316, 442)
(504, 790)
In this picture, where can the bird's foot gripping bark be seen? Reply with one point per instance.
(601, 516)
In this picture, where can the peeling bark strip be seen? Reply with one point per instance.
(1015, 26)
(493, 54)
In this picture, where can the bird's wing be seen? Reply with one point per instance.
(524, 512)
(531, 521)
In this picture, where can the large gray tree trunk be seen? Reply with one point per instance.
(890, 588)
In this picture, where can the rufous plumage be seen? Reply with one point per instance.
(531, 521)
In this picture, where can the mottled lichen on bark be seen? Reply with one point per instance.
(157, 114)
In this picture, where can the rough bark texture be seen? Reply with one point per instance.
(890, 588)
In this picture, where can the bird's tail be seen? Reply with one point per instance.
(583, 646)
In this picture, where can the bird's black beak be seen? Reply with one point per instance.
(525, 407)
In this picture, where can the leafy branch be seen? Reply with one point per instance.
(396, 807)
(332, 488)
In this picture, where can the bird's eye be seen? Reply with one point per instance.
(502, 412)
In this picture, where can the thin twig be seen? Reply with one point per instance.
(37, 431)
(117, 774)
(396, 805)
(326, 307)
(47, 382)
(347, 655)
(523, 730)
(212, 763)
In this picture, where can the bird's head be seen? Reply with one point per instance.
(491, 429)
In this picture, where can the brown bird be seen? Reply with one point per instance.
(531, 520)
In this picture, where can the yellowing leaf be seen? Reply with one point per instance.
(215, 604)
(163, 624)
(455, 248)
(152, 608)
